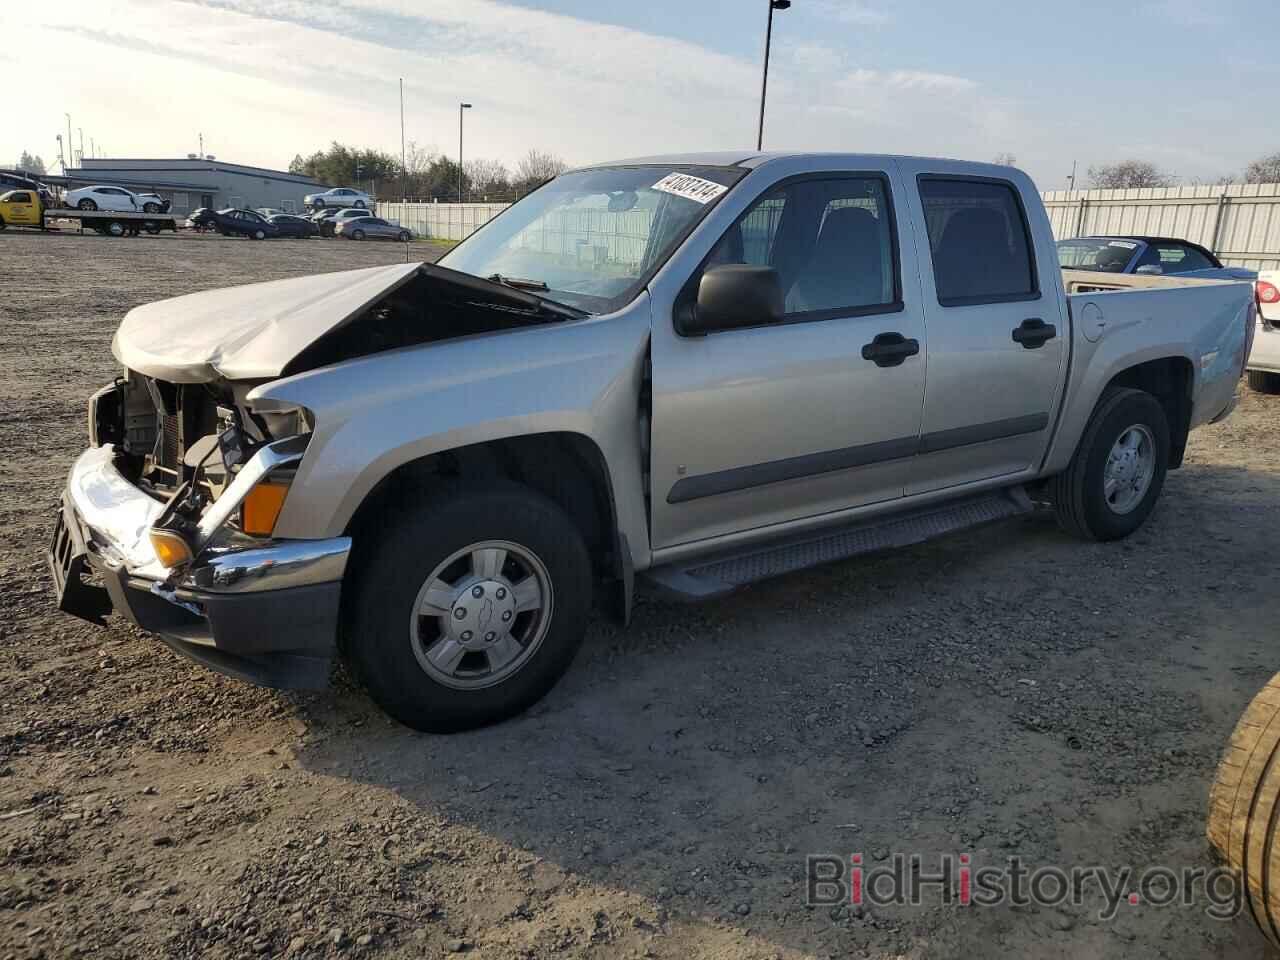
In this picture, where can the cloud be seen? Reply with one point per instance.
(850, 11)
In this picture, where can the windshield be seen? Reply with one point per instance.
(593, 237)
(1102, 254)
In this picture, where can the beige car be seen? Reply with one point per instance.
(371, 228)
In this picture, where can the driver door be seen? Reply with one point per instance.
(775, 423)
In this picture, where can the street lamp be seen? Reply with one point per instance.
(461, 107)
(764, 79)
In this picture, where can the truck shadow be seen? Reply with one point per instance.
(695, 758)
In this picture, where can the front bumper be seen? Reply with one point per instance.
(263, 611)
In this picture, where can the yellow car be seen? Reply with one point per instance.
(20, 208)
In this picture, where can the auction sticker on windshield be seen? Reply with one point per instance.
(690, 187)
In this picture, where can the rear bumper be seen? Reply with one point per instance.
(266, 612)
(1265, 354)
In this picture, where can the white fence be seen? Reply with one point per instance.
(441, 221)
(1239, 222)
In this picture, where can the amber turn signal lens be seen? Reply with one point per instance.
(171, 549)
(261, 508)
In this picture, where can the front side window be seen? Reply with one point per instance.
(979, 241)
(831, 241)
(594, 237)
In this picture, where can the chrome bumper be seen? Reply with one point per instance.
(263, 611)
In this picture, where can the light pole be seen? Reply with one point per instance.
(764, 77)
(70, 151)
(62, 159)
(461, 107)
(404, 173)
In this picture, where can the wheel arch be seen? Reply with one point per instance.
(568, 468)
(1170, 380)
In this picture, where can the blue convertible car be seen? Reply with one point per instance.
(1147, 255)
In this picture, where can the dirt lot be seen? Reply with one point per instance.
(1009, 692)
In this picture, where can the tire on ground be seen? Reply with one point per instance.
(1077, 493)
(1264, 382)
(404, 545)
(1243, 808)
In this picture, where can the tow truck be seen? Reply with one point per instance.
(26, 208)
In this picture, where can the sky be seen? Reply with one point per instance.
(1183, 83)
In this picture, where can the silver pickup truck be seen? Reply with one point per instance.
(700, 370)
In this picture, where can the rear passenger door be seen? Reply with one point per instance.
(995, 323)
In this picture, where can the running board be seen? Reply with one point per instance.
(723, 573)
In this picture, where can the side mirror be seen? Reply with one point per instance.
(734, 295)
(1150, 269)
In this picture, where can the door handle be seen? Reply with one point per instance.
(1034, 333)
(889, 349)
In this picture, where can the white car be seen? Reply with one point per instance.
(340, 197)
(105, 198)
(1264, 358)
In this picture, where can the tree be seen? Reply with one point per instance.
(1130, 173)
(31, 164)
(341, 165)
(535, 168)
(1005, 159)
(1264, 170)
(488, 178)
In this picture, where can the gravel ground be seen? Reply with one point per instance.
(1006, 692)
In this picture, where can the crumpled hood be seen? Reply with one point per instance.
(249, 332)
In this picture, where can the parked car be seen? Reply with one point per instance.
(1264, 358)
(1153, 256)
(338, 197)
(269, 212)
(371, 228)
(454, 461)
(287, 225)
(116, 199)
(235, 222)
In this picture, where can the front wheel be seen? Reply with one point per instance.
(359, 204)
(357, 234)
(1114, 479)
(405, 236)
(468, 610)
(151, 207)
(259, 235)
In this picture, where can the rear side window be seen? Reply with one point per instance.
(19, 198)
(979, 240)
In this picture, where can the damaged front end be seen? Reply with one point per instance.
(167, 520)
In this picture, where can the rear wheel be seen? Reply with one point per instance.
(405, 236)
(1264, 382)
(115, 228)
(152, 228)
(468, 610)
(359, 204)
(1115, 477)
(87, 204)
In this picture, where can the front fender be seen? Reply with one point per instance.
(377, 413)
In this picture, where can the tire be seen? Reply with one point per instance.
(1243, 811)
(1264, 382)
(87, 204)
(357, 234)
(151, 207)
(1078, 493)
(2, 224)
(406, 550)
(359, 204)
(405, 236)
(115, 229)
(152, 228)
(258, 235)
(317, 206)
